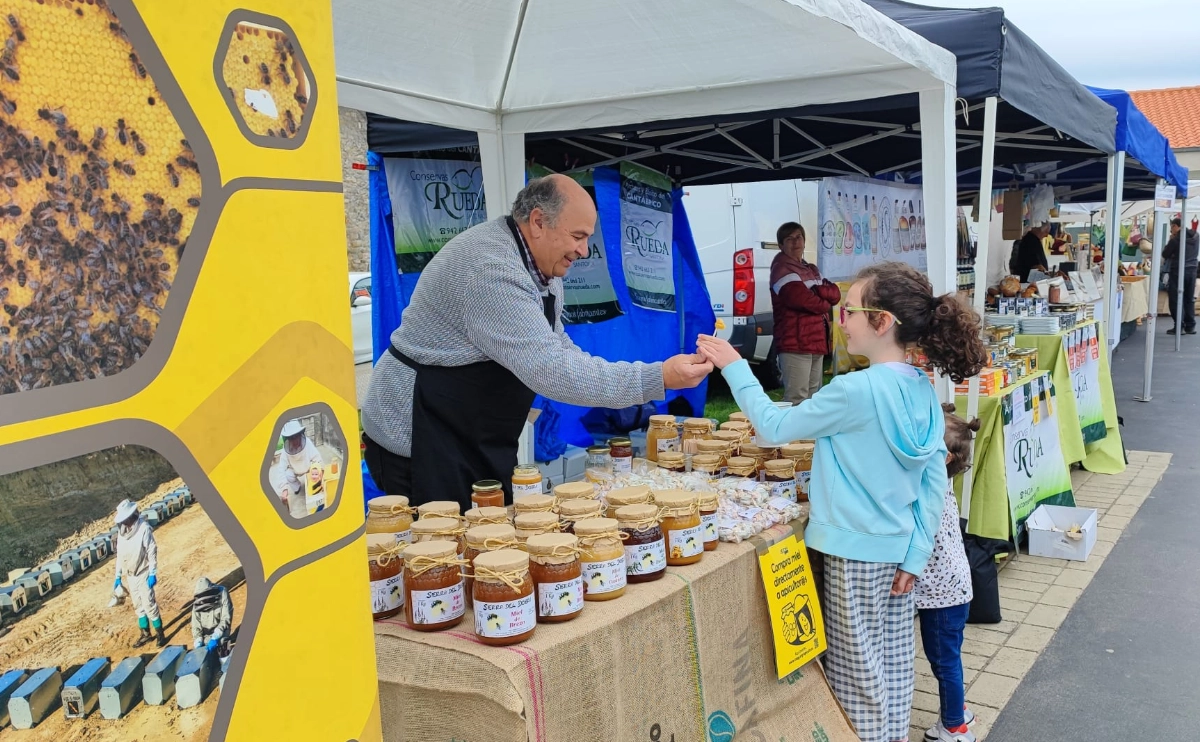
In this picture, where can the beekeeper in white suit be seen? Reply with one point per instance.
(137, 568)
(299, 462)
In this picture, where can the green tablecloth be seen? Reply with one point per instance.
(1105, 456)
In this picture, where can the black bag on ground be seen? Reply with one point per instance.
(981, 555)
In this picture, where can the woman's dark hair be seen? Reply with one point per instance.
(945, 328)
(785, 230)
(959, 433)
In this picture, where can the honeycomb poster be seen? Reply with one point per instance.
(173, 428)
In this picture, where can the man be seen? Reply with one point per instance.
(300, 469)
(137, 567)
(481, 336)
(801, 302)
(1030, 252)
(212, 617)
(1171, 258)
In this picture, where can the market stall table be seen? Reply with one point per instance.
(688, 657)
(1136, 301)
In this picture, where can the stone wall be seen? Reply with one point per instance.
(353, 126)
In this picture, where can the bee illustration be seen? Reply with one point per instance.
(265, 72)
(437, 608)
(22, 277)
(138, 145)
(122, 135)
(494, 622)
(283, 72)
(136, 64)
(54, 116)
(172, 175)
(16, 27)
(194, 202)
(8, 105)
(124, 167)
(98, 138)
(290, 121)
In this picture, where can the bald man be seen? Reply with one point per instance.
(481, 337)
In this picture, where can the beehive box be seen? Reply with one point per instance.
(37, 583)
(13, 598)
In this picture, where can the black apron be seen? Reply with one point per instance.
(466, 421)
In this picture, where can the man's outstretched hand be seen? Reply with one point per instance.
(685, 371)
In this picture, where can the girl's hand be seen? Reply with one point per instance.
(717, 351)
(903, 583)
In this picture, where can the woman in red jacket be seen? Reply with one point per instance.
(801, 301)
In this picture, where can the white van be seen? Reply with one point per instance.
(734, 229)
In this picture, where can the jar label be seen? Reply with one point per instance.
(404, 537)
(501, 620)
(603, 577)
(648, 558)
(387, 594)
(622, 464)
(668, 444)
(802, 482)
(560, 598)
(709, 523)
(521, 490)
(438, 606)
(785, 489)
(686, 542)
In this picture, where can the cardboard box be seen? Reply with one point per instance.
(1046, 542)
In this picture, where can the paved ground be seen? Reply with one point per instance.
(1121, 665)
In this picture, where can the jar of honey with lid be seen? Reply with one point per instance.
(620, 453)
(434, 588)
(741, 466)
(439, 509)
(601, 558)
(627, 496)
(780, 476)
(439, 529)
(481, 539)
(695, 429)
(598, 467)
(732, 440)
(645, 547)
(487, 516)
(708, 464)
(390, 514)
(709, 503)
(534, 504)
(672, 461)
(557, 576)
(680, 512)
(526, 480)
(714, 448)
(741, 417)
(386, 574)
(570, 511)
(575, 491)
(801, 453)
(532, 524)
(662, 435)
(488, 493)
(739, 427)
(756, 452)
(505, 609)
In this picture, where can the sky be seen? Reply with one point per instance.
(1136, 45)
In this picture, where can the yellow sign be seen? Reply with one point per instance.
(792, 603)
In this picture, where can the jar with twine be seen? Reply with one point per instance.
(735, 426)
(557, 577)
(800, 452)
(482, 539)
(505, 608)
(627, 496)
(390, 514)
(439, 529)
(732, 440)
(575, 491)
(712, 448)
(534, 504)
(601, 558)
(680, 521)
(532, 524)
(645, 549)
(488, 516)
(387, 582)
(672, 461)
(439, 509)
(433, 566)
(570, 511)
(695, 429)
(741, 466)
(705, 463)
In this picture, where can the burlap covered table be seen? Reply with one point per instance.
(687, 658)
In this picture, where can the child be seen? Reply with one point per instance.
(943, 595)
(879, 479)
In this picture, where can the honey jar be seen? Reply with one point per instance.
(662, 435)
(533, 504)
(386, 574)
(713, 448)
(434, 588)
(780, 476)
(482, 539)
(741, 466)
(570, 511)
(575, 491)
(598, 467)
(390, 514)
(708, 464)
(488, 493)
(439, 529)
(601, 558)
(756, 452)
(620, 452)
(532, 524)
(709, 502)
(739, 427)
(439, 509)
(695, 429)
(486, 516)
(801, 454)
(557, 576)
(627, 496)
(505, 609)
(645, 547)
(672, 461)
(681, 527)
(732, 440)
(526, 480)
(741, 417)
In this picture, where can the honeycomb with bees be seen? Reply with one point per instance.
(100, 193)
(269, 85)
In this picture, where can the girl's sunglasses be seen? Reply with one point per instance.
(844, 313)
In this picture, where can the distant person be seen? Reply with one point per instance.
(300, 467)
(137, 567)
(212, 617)
(1171, 256)
(802, 302)
(1030, 252)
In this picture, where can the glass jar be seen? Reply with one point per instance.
(709, 503)
(645, 547)
(570, 511)
(741, 417)
(526, 480)
(482, 539)
(681, 527)
(780, 476)
(533, 504)
(386, 575)
(487, 516)
(620, 452)
(434, 592)
(662, 435)
(533, 524)
(753, 451)
(627, 496)
(801, 454)
(505, 609)
(708, 464)
(720, 449)
(601, 558)
(439, 529)
(575, 491)
(731, 439)
(488, 493)
(557, 577)
(739, 427)
(439, 509)
(741, 466)
(390, 514)
(695, 429)
(598, 467)
(672, 461)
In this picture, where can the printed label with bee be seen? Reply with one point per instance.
(509, 618)
(651, 557)
(388, 594)
(560, 598)
(687, 542)
(438, 606)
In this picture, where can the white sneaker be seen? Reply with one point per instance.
(933, 735)
(939, 733)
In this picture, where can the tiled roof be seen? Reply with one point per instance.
(1175, 111)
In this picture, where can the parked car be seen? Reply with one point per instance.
(734, 229)
(360, 316)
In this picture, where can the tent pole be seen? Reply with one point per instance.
(1181, 269)
(1112, 248)
(981, 262)
(938, 185)
(1155, 270)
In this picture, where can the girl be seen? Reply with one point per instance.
(943, 595)
(879, 479)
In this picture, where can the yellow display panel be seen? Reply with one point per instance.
(180, 287)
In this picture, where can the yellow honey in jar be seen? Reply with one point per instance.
(526, 480)
(390, 514)
(601, 558)
(681, 526)
(663, 435)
